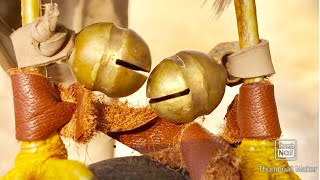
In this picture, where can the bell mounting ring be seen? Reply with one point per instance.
(249, 62)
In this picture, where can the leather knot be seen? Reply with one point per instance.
(44, 31)
(43, 41)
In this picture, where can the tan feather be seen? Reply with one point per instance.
(219, 6)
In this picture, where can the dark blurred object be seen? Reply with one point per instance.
(10, 12)
(7, 56)
(77, 14)
(135, 168)
(88, 12)
(10, 19)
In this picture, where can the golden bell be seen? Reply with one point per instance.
(185, 86)
(109, 59)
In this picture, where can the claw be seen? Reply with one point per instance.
(46, 159)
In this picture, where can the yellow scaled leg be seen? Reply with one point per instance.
(258, 162)
(55, 168)
(46, 159)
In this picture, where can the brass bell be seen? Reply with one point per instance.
(110, 59)
(185, 86)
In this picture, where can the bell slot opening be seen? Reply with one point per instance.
(171, 96)
(133, 67)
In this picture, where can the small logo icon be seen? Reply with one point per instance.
(285, 149)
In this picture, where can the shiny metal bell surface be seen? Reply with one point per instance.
(185, 86)
(109, 59)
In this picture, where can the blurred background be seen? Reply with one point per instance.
(170, 26)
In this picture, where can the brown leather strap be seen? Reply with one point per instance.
(257, 111)
(231, 132)
(83, 124)
(39, 112)
(154, 136)
(38, 107)
(255, 114)
(93, 115)
(184, 146)
(207, 156)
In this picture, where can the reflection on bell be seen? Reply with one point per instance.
(185, 86)
(109, 59)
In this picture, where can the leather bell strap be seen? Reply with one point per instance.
(93, 114)
(176, 145)
(42, 108)
(244, 63)
(43, 41)
(251, 62)
(39, 110)
(188, 146)
(222, 50)
(253, 114)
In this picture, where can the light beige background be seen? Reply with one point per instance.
(170, 26)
